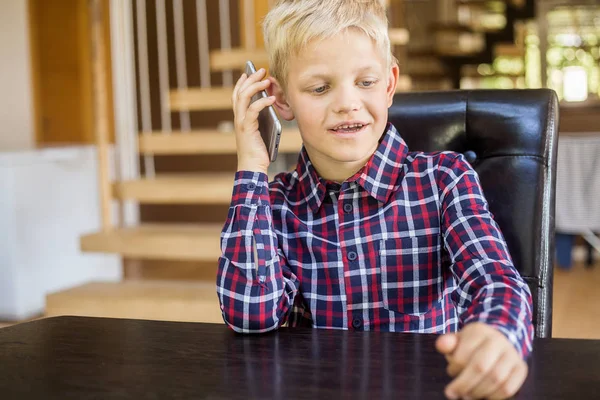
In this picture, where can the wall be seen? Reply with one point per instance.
(16, 103)
(39, 250)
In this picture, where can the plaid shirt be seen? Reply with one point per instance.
(407, 244)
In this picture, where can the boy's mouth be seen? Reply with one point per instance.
(348, 128)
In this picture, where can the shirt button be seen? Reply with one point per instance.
(352, 256)
(251, 186)
(357, 323)
(348, 208)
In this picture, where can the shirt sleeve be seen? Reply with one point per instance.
(490, 289)
(254, 283)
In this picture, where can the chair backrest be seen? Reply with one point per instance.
(510, 138)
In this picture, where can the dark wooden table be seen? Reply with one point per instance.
(85, 358)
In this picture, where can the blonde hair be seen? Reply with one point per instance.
(292, 24)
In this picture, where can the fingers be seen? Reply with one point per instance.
(245, 94)
(481, 362)
(468, 341)
(251, 121)
(258, 105)
(244, 82)
(242, 105)
(453, 369)
(251, 150)
(496, 378)
(446, 344)
(237, 86)
(512, 385)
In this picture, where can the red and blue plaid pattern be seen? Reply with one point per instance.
(407, 244)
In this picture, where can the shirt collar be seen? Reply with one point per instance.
(378, 177)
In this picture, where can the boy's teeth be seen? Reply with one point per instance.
(349, 126)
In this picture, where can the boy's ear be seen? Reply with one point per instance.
(392, 83)
(281, 103)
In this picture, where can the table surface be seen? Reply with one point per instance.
(101, 358)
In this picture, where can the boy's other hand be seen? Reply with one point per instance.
(483, 362)
(251, 150)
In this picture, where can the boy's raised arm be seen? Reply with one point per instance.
(255, 286)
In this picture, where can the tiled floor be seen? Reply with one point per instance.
(576, 303)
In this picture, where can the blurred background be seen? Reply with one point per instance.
(117, 153)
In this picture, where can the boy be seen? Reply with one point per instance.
(364, 234)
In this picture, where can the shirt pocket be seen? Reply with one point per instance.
(411, 275)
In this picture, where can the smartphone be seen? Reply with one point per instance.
(269, 125)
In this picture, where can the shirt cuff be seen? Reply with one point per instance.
(521, 344)
(250, 188)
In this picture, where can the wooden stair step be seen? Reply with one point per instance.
(508, 50)
(200, 99)
(189, 242)
(235, 59)
(155, 300)
(202, 188)
(475, 3)
(187, 188)
(206, 142)
(421, 51)
(457, 53)
(453, 27)
(472, 71)
(399, 36)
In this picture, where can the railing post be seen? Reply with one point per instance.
(125, 105)
(100, 112)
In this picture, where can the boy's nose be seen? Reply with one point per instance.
(347, 101)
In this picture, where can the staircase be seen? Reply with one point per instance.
(505, 42)
(192, 242)
(462, 43)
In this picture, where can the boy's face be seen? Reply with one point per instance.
(339, 91)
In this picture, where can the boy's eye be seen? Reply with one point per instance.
(319, 90)
(367, 83)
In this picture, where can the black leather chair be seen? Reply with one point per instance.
(510, 138)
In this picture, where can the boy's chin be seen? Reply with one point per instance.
(340, 153)
(341, 156)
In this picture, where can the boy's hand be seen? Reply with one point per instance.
(484, 363)
(251, 150)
